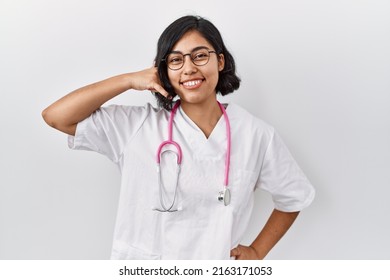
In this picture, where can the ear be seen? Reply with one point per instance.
(221, 62)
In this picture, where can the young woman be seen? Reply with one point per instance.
(210, 157)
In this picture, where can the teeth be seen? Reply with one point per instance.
(192, 83)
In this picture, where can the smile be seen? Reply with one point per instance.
(192, 84)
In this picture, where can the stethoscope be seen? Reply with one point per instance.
(223, 196)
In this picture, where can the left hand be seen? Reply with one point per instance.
(244, 253)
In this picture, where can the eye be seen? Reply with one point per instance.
(200, 55)
(175, 59)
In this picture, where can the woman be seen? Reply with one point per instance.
(198, 204)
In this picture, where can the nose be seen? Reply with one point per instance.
(188, 66)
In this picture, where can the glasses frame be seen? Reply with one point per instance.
(187, 54)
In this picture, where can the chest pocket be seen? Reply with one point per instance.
(242, 185)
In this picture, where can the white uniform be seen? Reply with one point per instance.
(203, 228)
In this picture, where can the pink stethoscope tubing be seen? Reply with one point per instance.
(223, 195)
(170, 141)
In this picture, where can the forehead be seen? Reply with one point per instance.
(191, 40)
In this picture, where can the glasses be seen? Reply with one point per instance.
(199, 57)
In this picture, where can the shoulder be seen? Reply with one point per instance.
(114, 111)
(247, 122)
(128, 109)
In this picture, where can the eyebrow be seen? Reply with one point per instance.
(193, 50)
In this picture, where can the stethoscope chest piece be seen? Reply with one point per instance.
(224, 196)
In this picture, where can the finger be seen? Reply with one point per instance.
(235, 252)
(161, 90)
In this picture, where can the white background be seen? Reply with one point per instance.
(318, 71)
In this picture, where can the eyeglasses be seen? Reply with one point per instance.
(175, 60)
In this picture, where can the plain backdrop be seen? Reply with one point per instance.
(318, 71)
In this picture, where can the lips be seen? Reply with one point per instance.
(192, 84)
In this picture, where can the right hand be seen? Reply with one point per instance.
(148, 80)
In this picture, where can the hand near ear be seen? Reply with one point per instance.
(148, 79)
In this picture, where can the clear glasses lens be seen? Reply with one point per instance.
(175, 61)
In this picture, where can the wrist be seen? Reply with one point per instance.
(259, 256)
(127, 80)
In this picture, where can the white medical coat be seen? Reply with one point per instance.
(203, 228)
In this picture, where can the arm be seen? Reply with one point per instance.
(65, 113)
(277, 225)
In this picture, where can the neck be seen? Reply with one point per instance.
(205, 115)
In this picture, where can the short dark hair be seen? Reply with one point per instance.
(228, 80)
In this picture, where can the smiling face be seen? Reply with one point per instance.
(196, 84)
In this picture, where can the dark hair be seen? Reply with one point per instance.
(228, 81)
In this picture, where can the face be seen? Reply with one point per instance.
(196, 84)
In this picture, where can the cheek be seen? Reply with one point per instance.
(213, 71)
(213, 76)
(172, 76)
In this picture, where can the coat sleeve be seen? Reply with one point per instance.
(108, 130)
(282, 177)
